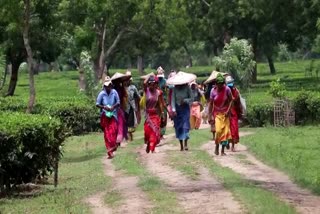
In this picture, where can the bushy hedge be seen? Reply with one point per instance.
(30, 146)
(78, 117)
(307, 108)
(259, 114)
(78, 114)
(306, 105)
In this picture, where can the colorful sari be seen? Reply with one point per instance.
(152, 122)
(195, 115)
(110, 130)
(235, 112)
(222, 123)
(122, 126)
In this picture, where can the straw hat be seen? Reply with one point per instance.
(160, 72)
(120, 76)
(181, 78)
(128, 73)
(213, 76)
(107, 81)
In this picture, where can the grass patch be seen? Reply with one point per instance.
(295, 150)
(183, 164)
(113, 198)
(127, 160)
(254, 198)
(80, 175)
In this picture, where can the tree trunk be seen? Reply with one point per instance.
(189, 55)
(32, 91)
(271, 64)
(140, 64)
(99, 61)
(3, 79)
(15, 64)
(255, 56)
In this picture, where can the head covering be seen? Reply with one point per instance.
(220, 78)
(160, 72)
(213, 76)
(181, 78)
(107, 81)
(193, 83)
(152, 79)
(230, 81)
(120, 76)
(144, 77)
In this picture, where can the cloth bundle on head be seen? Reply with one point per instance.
(213, 76)
(107, 81)
(220, 79)
(230, 81)
(160, 72)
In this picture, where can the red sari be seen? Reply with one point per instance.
(152, 124)
(110, 130)
(235, 112)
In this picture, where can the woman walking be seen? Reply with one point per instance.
(180, 103)
(153, 104)
(118, 79)
(108, 101)
(219, 112)
(197, 104)
(235, 112)
(132, 113)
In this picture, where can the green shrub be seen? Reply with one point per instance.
(79, 117)
(259, 115)
(307, 107)
(277, 89)
(78, 114)
(29, 145)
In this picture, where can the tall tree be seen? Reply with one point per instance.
(43, 32)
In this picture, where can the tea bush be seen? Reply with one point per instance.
(29, 145)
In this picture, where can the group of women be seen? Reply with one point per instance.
(178, 97)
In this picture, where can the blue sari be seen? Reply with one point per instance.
(182, 121)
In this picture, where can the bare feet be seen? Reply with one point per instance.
(223, 154)
(148, 148)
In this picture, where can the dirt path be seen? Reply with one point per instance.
(134, 199)
(269, 178)
(205, 195)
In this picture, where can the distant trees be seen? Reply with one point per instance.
(157, 32)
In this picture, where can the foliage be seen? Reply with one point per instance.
(283, 53)
(259, 114)
(277, 89)
(237, 59)
(77, 115)
(90, 80)
(30, 145)
(81, 174)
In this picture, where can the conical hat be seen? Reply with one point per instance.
(120, 76)
(213, 76)
(181, 78)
